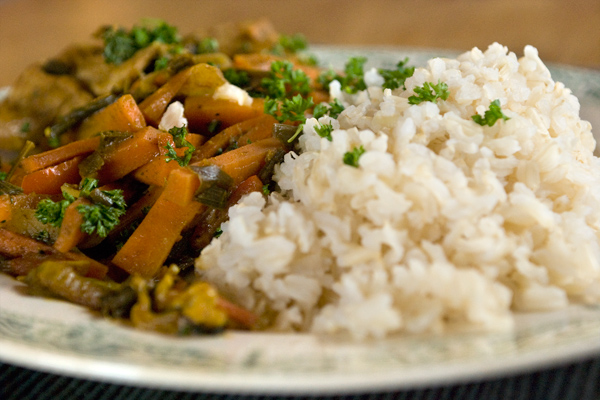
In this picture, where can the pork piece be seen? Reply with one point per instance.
(35, 101)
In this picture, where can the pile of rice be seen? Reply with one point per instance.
(445, 224)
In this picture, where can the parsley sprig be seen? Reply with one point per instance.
(100, 217)
(179, 134)
(394, 78)
(333, 109)
(120, 44)
(351, 157)
(284, 81)
(352, 80)
(429, 92)
(493, 114)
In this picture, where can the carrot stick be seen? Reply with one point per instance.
(148, 247)
(129, 155)
(50, 179)
(228, 136)
(154, 106)
(156, 171)
(14, 245)
(60, 154)
(238, 314)
(70, 234)
(5, 208)
(201, 111)
(123, 115)
(245, 161)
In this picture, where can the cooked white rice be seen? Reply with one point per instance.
(445, 224)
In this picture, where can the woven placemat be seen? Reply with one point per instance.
(579, 381)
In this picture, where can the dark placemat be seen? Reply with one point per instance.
(579, 381)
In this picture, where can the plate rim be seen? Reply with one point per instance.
(153, 376)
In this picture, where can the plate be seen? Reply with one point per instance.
(59, 337)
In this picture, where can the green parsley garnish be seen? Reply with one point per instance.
(120, 44)
(429, 92)
(3, 175)
(351, 157)
(289, 109)
(237, 78)
(180, 141)
(207, 45)
(161, 63)
(100, 217)
(394, 78)
(493, 114)
(265, 189)
(324, 130)
(334, 110)
(353, 79)
(285, 81)
(25, 127)
(51, 212)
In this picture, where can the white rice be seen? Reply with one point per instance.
(444, 225)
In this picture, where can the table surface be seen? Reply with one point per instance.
(564, 31)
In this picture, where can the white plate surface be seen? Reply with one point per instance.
(59, 337)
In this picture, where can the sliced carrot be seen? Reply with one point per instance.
(5, 208)
(70, 234)
(50, 179)
(156, 171)
(229, 136)
(167, 139)
(123, 115)
(245, 161)
(154, 106)
(148, 247)
(60, 154)
(202, 111)
(262, 62)
(129, 155)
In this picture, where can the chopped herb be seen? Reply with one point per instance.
(161, 63)
(25, 127)
(43, 236)
(180, 141)
(51, 212)
(101, 218)
(353, 79)
(324, 130)
(293, 43)
(394, 78)
(97, 217)
(334, 110)
(3, 175)
(120, 44)
(429, 92)
(351, 157)
(214, 125)
(237, 78)
(265, 189)
(308, 59)
(285, 81)
(208, 45)
(289, 109)
(218, 232)
(493, 114)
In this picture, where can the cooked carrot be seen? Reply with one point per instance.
(14, 245)
(238, 314)
(165, 139)
(148, 247)
(156, 171)
(56, 156)
(230, 135)
(261, 62)
(50, 179)
(262, 130)
(123, 115)
(245, 161)
(202, 111)
(70, 234)
(128, 155)
(154, 106)
(5, 208)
